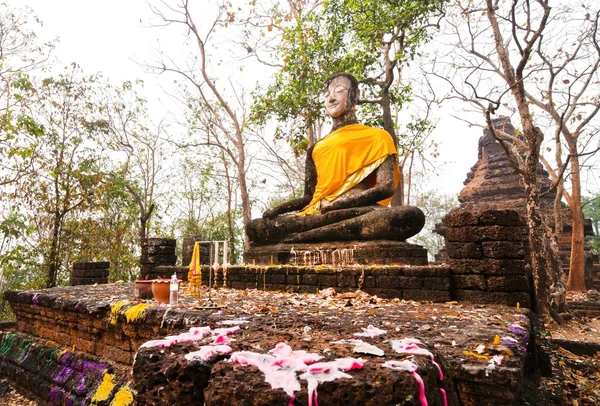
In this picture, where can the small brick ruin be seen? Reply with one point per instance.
(486, 252)
(89, 273)
(156, 252)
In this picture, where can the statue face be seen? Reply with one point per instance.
(336, 97)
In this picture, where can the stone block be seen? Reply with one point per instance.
(310, 279)
(440, 283)
(346, 281)
(427, 271)
(390, 282)
(488, 266)
(237, 285)
(159, 250)
(487, 233)
(464, 249)
(327, 281)
(158, 259)
(503, 249)
(460, 219)
(369, 282)
(508, 283)
(389, 293)
(426, 295)
(276, 279)
(479, 393)
(159, 241)
(505, 298)
(409, 282)
(250, 277)
(233, 276)
(476, 282)
(84, 345)
(90, 273)
(500, 218)
(91, 265)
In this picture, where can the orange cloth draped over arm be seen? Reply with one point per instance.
(345, 157)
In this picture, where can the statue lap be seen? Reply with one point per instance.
(371, 228)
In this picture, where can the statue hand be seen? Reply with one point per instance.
(269, 214)
(327, 209)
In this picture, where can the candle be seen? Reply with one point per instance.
(216, 256)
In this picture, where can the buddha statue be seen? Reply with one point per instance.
(350, 177)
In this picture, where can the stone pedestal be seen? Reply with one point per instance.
(381, 252)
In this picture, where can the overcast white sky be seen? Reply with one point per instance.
(112, 36)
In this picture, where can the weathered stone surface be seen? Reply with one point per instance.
(54, 375)
(382, 252)
(158, 250)
(486, 233)
(460, 218)
(464, 249)
(87, 281)
(508, 283)
(426, 294)
(503, 249)
(507, 217)
(90, 273)
(159, 241)
(476, 282)
(158, 259)
(444, 284)
(91, 265)
(167, 378)
(509, 299)
(84, 313)
(370, 386)
(488, 266)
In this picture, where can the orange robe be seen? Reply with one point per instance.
(346, 157)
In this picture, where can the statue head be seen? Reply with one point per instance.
(340, 94)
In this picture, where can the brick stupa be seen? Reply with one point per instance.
(492, 183)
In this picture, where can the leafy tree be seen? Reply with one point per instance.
(591, 210)
(539, 63)
(373, 40)
(216, 117)
(107, 231)
(435, 205)
(20, 54)
(143, 171)
(63, 176)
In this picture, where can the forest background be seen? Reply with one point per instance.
(176, 118)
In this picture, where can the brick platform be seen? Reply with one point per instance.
(93, 320)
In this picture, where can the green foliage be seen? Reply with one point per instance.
(591, 210)
(340, 36)
(435, 205)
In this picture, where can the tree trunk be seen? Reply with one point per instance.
(536, 234)
(241, 170)
(576, 279)
(230, 230)
(53, 254)
(547, 271)
(388, 122)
